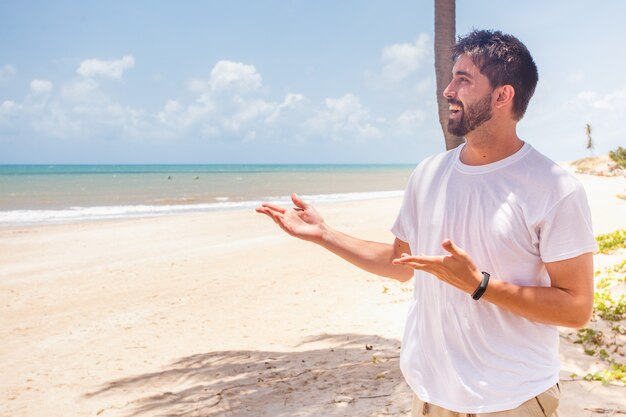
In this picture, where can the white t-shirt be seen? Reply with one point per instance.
(511, 216)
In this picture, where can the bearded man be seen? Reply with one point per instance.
(498, 240)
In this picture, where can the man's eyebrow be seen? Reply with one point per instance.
(463, 73)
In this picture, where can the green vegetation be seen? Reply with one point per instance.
(610, 242)
(612, 276)
(605, 339)
(616, 372)
(608, 347)
(607, 307)
(619, 156)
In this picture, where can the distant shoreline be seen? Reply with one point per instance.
(70, 215)
(62, 194)
(39, 194)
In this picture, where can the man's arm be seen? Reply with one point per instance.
(304, 222)
(567, 302)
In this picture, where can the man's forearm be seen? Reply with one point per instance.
(549, 305)
(374, 257)
(567, 302)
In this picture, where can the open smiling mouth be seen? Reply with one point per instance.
(455, 109)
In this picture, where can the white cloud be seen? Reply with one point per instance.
(411, 116)
(343, 118)
(409, 121)
(228, 76)
(346, 107)
(173, 106)
(171, 111)
(229, 115)
(85, 90)
(8, 107)
(40, 86)
(6, 72)
(248, 111)
(229, 104)
(203, 105)
(88, 120)
(107, 69)
(197, 86)
(290, 102)
(614, 102)
(235, 75)
(402, 59)
(10, 118)
(79, 109)
(176, 116)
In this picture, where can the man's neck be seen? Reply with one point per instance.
(484, 147)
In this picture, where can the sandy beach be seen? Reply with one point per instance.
(221, 314)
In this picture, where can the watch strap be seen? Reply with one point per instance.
(482, 287)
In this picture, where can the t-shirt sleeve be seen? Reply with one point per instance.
(405, 221)
(399, 228)
(566, 230)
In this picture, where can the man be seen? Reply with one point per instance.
(508, 242)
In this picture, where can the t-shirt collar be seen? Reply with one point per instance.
(481, 169)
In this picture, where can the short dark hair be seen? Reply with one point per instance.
(503, 59)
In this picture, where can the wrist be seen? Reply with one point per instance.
(326, 235)
(482, 287)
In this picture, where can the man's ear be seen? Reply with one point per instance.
(504, 95)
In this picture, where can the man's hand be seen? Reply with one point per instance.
(568, 301)
(302, 221)
(456, 269)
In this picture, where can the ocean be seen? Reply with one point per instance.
(41, 194)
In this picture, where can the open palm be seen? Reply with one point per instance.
(302, 221)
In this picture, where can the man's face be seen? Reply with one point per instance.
(469, 97)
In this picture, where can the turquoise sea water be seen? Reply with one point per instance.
(35, 194)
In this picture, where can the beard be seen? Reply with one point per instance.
(476, 114)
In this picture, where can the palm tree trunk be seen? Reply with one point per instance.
(444, 40)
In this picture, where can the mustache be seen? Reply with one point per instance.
(455, 102)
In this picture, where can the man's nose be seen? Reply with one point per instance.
(448, 92)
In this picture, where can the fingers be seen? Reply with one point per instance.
(416, 262)
(423, 259)
(278, 218)
(401, 260)
(269, 212)
(297, 201)
(448, 245)
(272, 207)
(452, 248)
(406, 261)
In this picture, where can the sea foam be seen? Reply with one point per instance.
(78, 214)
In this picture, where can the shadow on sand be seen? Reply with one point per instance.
(351, 375)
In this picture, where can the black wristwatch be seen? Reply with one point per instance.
(482, 287)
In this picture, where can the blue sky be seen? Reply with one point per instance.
(283, 81)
